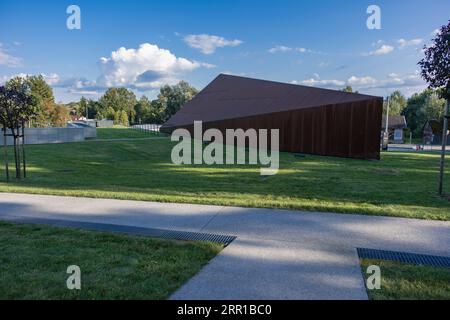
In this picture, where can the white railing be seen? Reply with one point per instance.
(147, 127)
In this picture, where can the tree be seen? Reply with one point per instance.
(415, 112)
(397, 102)
(172, 98)
(436, 71)
(49, 113)
(17, 106)
(348, 89)
(118, 99)
(123, 118)
(83, 107)
(434, 106)
(45, 100)
(60, 115)
(142, 109)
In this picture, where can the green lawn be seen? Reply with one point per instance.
(118, 132)
(405, 281)
(34, 260)
(401, 184)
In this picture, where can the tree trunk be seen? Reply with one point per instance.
(5, 146)
(23, 151)
(16, 154)
(444, 143)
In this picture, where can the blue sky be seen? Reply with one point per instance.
(320, 43)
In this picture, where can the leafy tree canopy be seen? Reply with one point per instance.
(397, 102)
(436, 64)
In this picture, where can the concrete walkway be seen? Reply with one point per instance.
(278, 254)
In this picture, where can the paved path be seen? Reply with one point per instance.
(278, 254)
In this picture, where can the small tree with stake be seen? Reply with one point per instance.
(17, 106)
(436, 71)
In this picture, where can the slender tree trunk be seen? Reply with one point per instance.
(5, 146)
(23, 151)
(19, 155)
(444, 144)
(16, 154)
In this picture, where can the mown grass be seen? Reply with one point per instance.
(400, 184)
(405, 281)
(34, 261)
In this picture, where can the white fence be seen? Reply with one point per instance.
(55, 135)
(147, 127)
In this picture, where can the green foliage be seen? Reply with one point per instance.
(397, 102)
(123, 118)
(121, 105)
(49, 113)
(118, 99)
(17, 103)
(142, 109)
(422, 107)
(172, 98)
(17, 106)
(349, 89)
(436, 64)
(40, 89)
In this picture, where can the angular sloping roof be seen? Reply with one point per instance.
(229, 97)
(395, 122)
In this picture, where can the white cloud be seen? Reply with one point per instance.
(208, 44)
(8, 60)
(361, 81)
(52, 79)
(280, 49)
(317, 82)
(146, 67)
(406, 43)
(239, 74)
(384, 49)
(408, 84)
(283, 49)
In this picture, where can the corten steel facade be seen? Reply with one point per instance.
(311, 120)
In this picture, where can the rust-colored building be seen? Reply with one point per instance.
(311, 120)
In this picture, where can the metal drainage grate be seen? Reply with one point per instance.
(150, 232)
(406, 257)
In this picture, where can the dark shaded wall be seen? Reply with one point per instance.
(350, 130)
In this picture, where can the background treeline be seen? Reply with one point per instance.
(122, 106)
(418, 109)
(118, 104)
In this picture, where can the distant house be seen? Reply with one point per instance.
(432, 132)
(396, 127)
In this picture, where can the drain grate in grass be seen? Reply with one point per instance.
(405, 257)
(150, 232)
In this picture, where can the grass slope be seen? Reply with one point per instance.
(34, 260)
(405, 281)
(401, 184)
